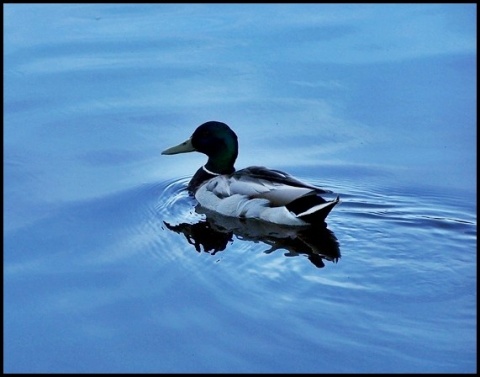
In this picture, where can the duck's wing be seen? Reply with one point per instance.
(277, 176)
(279, 188)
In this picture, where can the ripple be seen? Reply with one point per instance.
(421, 243)
(174, 203)
(392, 239)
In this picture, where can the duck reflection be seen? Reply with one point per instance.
(214, 232)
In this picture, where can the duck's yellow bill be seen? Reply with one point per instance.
(184, 147)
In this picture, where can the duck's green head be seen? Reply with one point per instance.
(217, 141)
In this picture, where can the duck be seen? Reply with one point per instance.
(254, 192)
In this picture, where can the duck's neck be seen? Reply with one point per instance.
(221, 164)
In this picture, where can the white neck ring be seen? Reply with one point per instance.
(209, 172)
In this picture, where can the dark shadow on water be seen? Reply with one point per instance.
(214, 232)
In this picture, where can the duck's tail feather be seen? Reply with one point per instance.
(312, 208)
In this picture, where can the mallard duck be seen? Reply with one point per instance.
(254, 192)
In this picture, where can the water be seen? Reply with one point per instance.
(110, 267)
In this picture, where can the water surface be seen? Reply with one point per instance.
(109, 266)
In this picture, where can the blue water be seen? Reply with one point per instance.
(110, 267)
